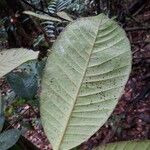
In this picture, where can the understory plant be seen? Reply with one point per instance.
(9, 137)
(85, 75)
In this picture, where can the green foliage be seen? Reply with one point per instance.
(74, 7)
(8, 99)
(55, 6)
(3, 34)
(12, 58)
(25, 80)
(84, 77)
(9, 138)
(78, 7)
(16, 105)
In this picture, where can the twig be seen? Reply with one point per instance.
(140, 42)
(136, 5)
(137, 28)
(134, 9)
(141, 95)
(135, 20)
(140, 9)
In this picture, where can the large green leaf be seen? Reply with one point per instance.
(9, 138)
(84, 77)
(132, 145)
(12, 58)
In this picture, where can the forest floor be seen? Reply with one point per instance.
(130, 119)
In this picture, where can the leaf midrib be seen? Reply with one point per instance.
(69, 117)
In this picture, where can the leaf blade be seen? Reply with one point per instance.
(44, 17)
(83, 52)
(12, 58)
(9, 138)
(64, 15)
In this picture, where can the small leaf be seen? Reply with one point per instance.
(84, 77)
(128, 145)
(44, 17)
(9, 138)
(12, 58)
